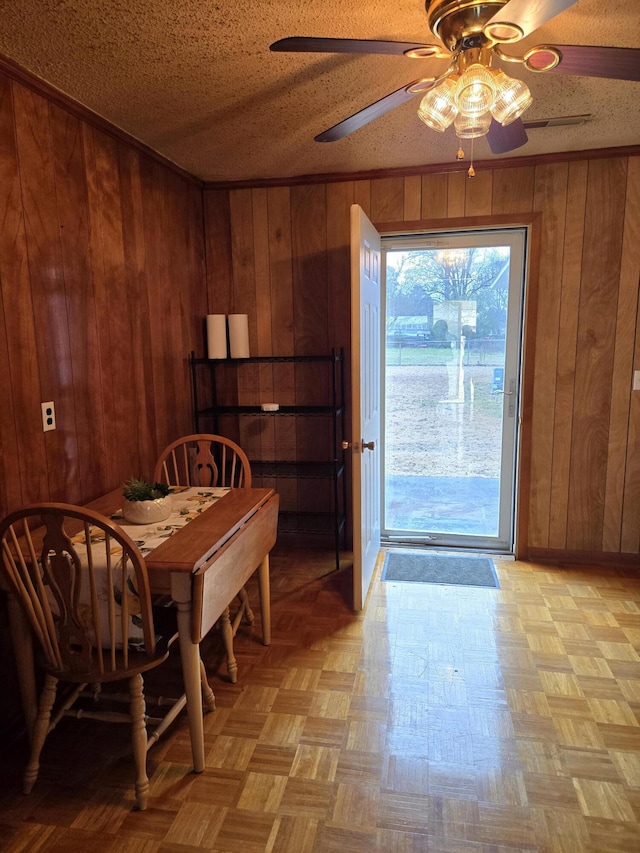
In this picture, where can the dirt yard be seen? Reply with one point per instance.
(428, 434)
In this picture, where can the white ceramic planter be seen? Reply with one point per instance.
(146, 512)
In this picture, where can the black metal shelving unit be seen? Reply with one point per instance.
(329, 523)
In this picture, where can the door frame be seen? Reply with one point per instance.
(533, 223)
(500, 541)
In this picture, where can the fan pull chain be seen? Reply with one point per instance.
(471, 172)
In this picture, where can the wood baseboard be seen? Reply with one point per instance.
(599, 559)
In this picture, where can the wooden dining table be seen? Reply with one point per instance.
(202, 566)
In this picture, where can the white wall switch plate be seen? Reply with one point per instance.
(636, 380)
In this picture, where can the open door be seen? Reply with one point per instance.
(365, 384)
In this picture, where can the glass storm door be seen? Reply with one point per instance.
(451, 378)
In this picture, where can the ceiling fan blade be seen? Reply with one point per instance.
(528, 15)
(502, 139)
(616, 63)
(363, 117)
(302, 44)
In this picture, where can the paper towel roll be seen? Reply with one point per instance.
(239, 335)
(216, 336)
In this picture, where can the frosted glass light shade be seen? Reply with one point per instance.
(512, 98)
(438, 107)
(476, 90)
(469, 127)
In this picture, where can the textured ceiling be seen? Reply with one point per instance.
(195, 80)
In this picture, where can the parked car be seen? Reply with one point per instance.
(407, 339)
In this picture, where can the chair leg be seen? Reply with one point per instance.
(139, 739)
(207, 692)
(227, 639)
(41, 728)
(244, 601)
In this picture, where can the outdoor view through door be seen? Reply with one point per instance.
(452, 370)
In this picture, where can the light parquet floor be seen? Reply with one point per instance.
(440, 720)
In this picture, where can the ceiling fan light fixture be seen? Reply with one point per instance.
(438, 107)
(476, 90)
(472, 126)
(512, 99)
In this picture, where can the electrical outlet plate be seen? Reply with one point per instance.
(48, 416)
(636, 380)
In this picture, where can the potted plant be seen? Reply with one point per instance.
(144, 502)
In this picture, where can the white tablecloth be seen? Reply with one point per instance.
(187, 504)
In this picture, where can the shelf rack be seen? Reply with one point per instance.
(329, 523)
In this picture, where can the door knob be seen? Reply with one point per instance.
(368, 445)
(346, 445)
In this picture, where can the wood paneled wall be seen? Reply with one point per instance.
(281, 254)
(103, 297)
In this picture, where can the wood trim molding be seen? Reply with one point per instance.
(532, 221)
(41, 87)
(598, 559)
(430, 169)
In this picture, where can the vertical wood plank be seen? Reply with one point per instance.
(309, 245)
(311, 333)
(22, 460)
(387, 200)
(362, 196)
(263, 318)
(595, 352)
(456, 193)
(281, 272)
(115, 412)
(434, 196)
(217, 224)
(622, 378)
(164, 302)
(630, 273)
(263, 280)
(566, 359)
(550, 197)
(412, 198)
(478, 196)
(339, 200)
(513, 190)
(73, 213)
(184, 218)
(244, 302)
(148, 438)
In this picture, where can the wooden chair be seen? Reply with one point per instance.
(204, 460)
(83, 585)
(209, 460)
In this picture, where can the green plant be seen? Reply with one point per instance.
(142, 490)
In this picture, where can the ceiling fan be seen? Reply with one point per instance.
(471, 94)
